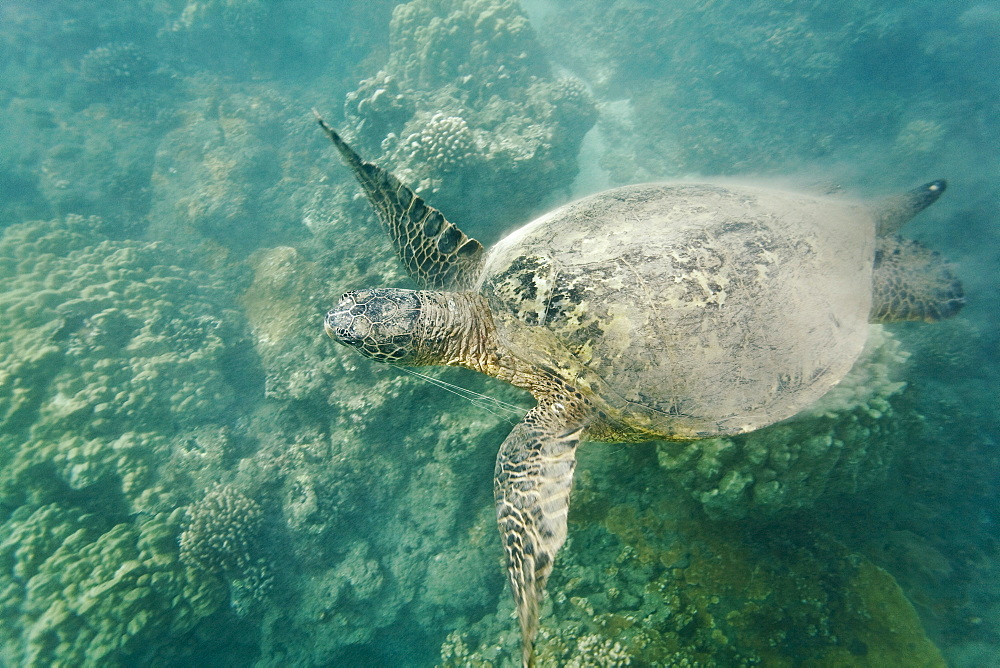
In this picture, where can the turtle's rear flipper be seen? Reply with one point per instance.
(534, 474)
(912, 282)
(436, 254)
(894, 212)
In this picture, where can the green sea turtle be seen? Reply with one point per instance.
(656, 311)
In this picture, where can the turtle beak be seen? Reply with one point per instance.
(338, 320)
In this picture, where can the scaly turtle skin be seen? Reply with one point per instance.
(657, 311)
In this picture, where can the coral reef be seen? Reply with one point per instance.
(919, 136)
(89, 152)
(28, 124)
(467, 111)
(229, 17)
(382, 504)
(378, 108)
(220, 33)
(674, 590)
(115, 64)
(489, 45)
(222, 532)
(76, 591)
(154, 400)
(256, 38)
(112, 355)
(842, 445)
(684, 74)
(228, 171)
(806, 41)
(90, 173)
(104, 337)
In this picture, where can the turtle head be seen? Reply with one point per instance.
(380, 324)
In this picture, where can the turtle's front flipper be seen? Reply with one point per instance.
(912, 282)
(534, 474)
(436, 254)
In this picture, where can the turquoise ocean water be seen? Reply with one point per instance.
(192, 474)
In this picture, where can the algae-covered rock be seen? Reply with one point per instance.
(279, 41)
(226, 173)
(106, 172)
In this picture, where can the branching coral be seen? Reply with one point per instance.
(572, 101)
(594, 651)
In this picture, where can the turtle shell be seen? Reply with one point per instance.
(689, 310)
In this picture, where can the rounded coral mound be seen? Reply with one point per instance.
(222, 531)
(445, 141)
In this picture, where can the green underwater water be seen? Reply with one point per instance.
(191, 473)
